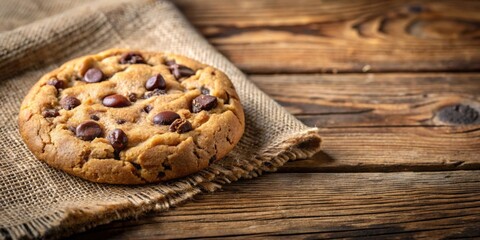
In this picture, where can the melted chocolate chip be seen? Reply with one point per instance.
(181, 126)
(184, 72)
(165, 118)
(118, 139)
(93, 75)
(155, 82)
(132, 97)
(49, 112)
(155, 92)
(88, 131)
(131, 58)
(203, 102)
(147, 108)
(161, 174)
(178, 70)
(116, 101)
(94, 117)
(69, 102)
(56, 83)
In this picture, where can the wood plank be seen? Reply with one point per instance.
(330, 205)
(387, 149)
(283, 36)
(382, 122)
(388, 99)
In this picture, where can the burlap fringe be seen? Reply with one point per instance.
(299, 146)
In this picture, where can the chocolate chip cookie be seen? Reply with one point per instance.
(131, 117)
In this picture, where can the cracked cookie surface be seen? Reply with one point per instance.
(131, 117)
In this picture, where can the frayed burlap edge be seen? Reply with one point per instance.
(80, 218)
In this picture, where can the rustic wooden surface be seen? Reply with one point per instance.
(285, 36)
(394, 87)
(328, 205)
(382, 121)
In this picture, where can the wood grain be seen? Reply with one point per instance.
(284, 36)
(369, 100)
(382, 122)
(387, 149)
(329, 205)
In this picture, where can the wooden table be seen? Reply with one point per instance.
(394, 88)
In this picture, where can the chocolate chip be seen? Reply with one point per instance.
(184, 72)
(94, 117)
(93, 75)
(155, 92)
(121, 121)
(203, 102)
(181, 126)
(118, 139)
(155, 82)
(88, 131)
(49, 112)
(161, 175)
(56, 83)
(132, 97)
(205, 91)
(178, 70)
(131, 58)
(116, 101)
(147, 108)
(69, 102)
(165, 118)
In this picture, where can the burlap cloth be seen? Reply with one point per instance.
(37, 36)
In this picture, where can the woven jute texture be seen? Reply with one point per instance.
(37, 201)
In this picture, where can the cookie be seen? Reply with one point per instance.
(131, 117)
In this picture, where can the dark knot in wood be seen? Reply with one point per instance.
(458, 114)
